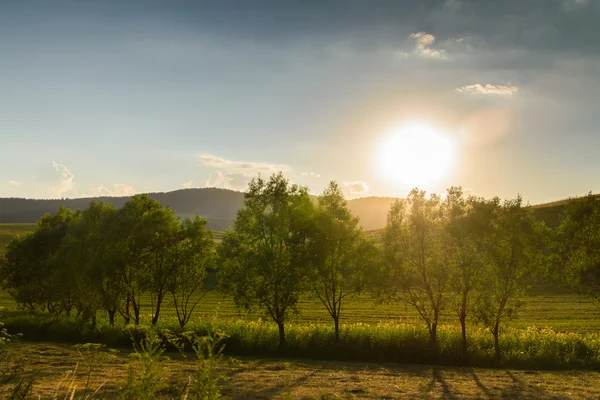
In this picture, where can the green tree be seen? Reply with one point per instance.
(191, 256)
(342, 253)
(32, 270)
(129, 250)
(515, 254)
(577, 246)
(85, 261)
(264, 260)
(158, 235)
(468, 226)
(417, 265)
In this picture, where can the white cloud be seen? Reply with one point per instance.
(14, 183)
(314, 175)
(357, 187)
(222, 163)
(499, 90)
(187, 185)
(228, 180)
(423, 46)
(118, 190)
(65, 183)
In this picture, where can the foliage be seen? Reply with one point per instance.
(342, 255)
(145, 377)
(264, 260)
(577, 246)
(515, 254)
(416, 261)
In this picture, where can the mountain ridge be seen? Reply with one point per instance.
(219, 206)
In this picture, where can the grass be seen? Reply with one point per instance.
(545, 306)
(384, 342)
(280, 379)
(8, 231)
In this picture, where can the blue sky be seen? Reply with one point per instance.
(114, 97)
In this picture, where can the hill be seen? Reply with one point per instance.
(218, 206)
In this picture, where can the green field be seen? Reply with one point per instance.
(8, 231)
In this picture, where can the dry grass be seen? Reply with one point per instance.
(266, 379)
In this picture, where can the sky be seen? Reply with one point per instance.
(122, 97)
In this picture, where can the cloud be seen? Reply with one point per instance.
(65, 183)
(357, 187)
(314, 175)
(187, 185)
(222, 163)
(423, 43)
(228, 180)
(499, 90)
(118, 190)
(14, 183)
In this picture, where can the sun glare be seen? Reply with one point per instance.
(416, 155)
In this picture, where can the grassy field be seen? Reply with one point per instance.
(8, 231)
(53, 366)
(546, 306)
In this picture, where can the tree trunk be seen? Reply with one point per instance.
(127, 316)
(433, 335)
(111, 317)
(336, 321)
(463, 328)
(159, 300)
(136, 314)
(496, 333)
(94, 320)
(281, 335)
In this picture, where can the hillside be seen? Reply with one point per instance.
(219, 207)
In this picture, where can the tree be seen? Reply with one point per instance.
(577, 246)
(264, 260)
(515, 253)
(129, 250)
(193, 253)
(417, 265)
(342, 253)
(85, 261)
(158, 235)
(32, 270)
(467, 224)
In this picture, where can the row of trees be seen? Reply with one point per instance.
(103, 258)
(464, 256)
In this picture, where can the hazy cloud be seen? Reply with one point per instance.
(65, 183)
(314, 175)
(14, 183)
(228, 180)
(118, 189)
(357, 187)
(220, 162)
(500, 90)
(187, 185)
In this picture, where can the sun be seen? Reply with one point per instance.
(416, 155)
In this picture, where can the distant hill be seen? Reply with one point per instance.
(219, 207)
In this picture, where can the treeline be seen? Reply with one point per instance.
(468, 257)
